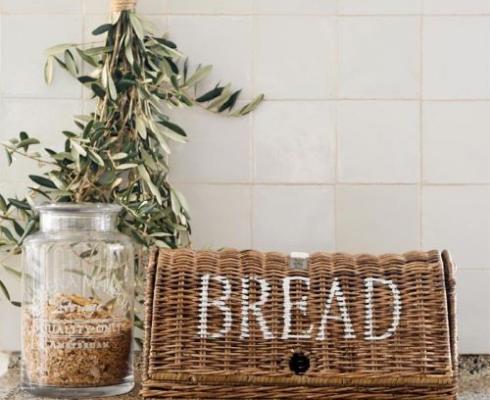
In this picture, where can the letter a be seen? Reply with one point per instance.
(302, 305)
(336, 291)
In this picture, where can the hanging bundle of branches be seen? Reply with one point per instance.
(118, 153)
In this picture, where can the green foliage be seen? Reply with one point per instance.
(118, 153)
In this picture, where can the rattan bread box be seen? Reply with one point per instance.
(248, 325)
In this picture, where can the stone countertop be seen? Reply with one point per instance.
(474, 380)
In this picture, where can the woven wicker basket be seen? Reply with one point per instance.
(251, 325)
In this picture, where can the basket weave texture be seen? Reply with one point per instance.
(239, 353)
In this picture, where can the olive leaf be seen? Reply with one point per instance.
(48, 70)
(4, 290)
(199, 75)
(102, 29)
(3, 204)
(59, 48)
(70, 63)
(40, 180)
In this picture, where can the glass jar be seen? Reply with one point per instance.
(78, 292)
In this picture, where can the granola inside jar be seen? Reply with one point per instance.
(78, 304)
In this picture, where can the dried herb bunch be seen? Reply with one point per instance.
(118, 153)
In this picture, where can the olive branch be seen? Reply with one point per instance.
(118, 153)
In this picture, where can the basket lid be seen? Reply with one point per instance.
(249, 317)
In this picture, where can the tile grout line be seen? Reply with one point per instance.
(84, 25)
(384, 184)
(481, 269)
(338, 55)
(421, 131)
(277, 14)
(252, 160)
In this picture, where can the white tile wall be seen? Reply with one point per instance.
(374, 136)
(103, 7)
(378, 141)
(42, 7)
(296, 7)
(219, 149)
(473, 311)
(23, 41)
(456, 6)
(295, 142)
(221, 215)
(456, 142)
(380, 219)
(203, 43)
(31, 115)
(456, 57)
(210, 6)
(379, 57)
(287, 61)
(363, 7)
(458, 218)
(293, 218)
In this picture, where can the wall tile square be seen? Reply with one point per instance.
(7, 189)
(201, 39)
(41, 6)
(23, 56)
(220, 215)
(296, 57)
(96, 7)
(16, 175)
(218, 149)
(293, 218)
(456, 6)
(456, 142)
(295, 142)
(43, 119)
(144, 7)
(379, 57)
(153, 6)
(296, 7)
(13, 120)
(473, 311)
(363, 7)
(377, 219)
(456, 57)
(378, 141)
(210, 6)
(457, 218)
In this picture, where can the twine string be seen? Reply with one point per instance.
(121, 5)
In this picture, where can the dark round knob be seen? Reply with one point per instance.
(299, 363)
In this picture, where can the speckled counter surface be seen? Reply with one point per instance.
(474, 380)
(474, 372)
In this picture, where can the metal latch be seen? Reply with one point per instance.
(298, 260)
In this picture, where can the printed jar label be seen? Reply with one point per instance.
(82, 334)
